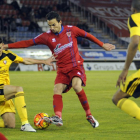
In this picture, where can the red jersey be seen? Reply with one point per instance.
(63, 44)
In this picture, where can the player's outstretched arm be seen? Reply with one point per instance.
(108, 47)
(30, 61)
(19, 44)
(132, 49)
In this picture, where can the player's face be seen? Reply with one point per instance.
(54, 25)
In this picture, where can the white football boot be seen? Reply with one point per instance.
(92, 121)
(27, 127)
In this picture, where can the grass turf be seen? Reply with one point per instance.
(38, 88)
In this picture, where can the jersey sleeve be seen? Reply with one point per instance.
(21, 44)
(82, 33)
(133, 26)
(40, 39)
(14, 57)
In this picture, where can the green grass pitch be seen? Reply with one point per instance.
(38, 88)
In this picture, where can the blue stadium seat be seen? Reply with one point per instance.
(25, 29)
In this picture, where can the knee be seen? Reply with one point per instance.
(115, 100)
(77, 87)
(9, 125)
(57, 90)
(19, 89)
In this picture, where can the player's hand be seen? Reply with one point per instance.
(108, 47)
(122, 78)
(50, 60)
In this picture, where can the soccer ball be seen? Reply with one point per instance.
(39, 121)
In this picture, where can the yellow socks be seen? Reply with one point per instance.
(129, 107)
(21, 107)
(2, 123)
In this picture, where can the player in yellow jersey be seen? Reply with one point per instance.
(130, 86)
(7, 91)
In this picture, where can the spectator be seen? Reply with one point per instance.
(18, 21)
(1, 24)
(85, 43)
(34, 27)
(13, 26)
(26, 11)
(65, 7)
(7, 19)
(36, 14)
(85, 27)
(14, 3)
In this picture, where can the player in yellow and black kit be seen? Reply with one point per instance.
(130, 86)
(7, 91)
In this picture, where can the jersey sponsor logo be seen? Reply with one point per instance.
(68, 34)
(3, 71)
(78, 73)
(58, 49)
(69, 25)
(4, 61)
(53, 40)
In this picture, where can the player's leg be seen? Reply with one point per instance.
(9, 119)
(57, 105)
(57, 99)
(2, 137)
(120, 99)
(7, 110)
(131, 88)
(76, 84)
(17, 93)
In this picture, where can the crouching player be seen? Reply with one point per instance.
(7, 91)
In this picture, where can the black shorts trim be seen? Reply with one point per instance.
(1, 92)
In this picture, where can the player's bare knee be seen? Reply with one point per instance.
(19, 89)
(10, 125)
(57, 90)
(114, 100)
(76, 87)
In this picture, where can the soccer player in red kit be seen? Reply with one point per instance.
(62, 41)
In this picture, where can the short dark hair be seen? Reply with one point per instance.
(1, 40)
(53, 15)
(136, 4)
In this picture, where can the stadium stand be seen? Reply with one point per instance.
(33, 13)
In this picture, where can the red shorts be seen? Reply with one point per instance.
(65, 76)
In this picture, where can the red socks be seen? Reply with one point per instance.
(84, 102)
(57, 105)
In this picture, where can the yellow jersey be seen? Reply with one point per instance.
(134, 25)
(6, 59)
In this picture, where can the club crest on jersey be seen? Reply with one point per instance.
(4, 61)
(53, 40)
(68, 34)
